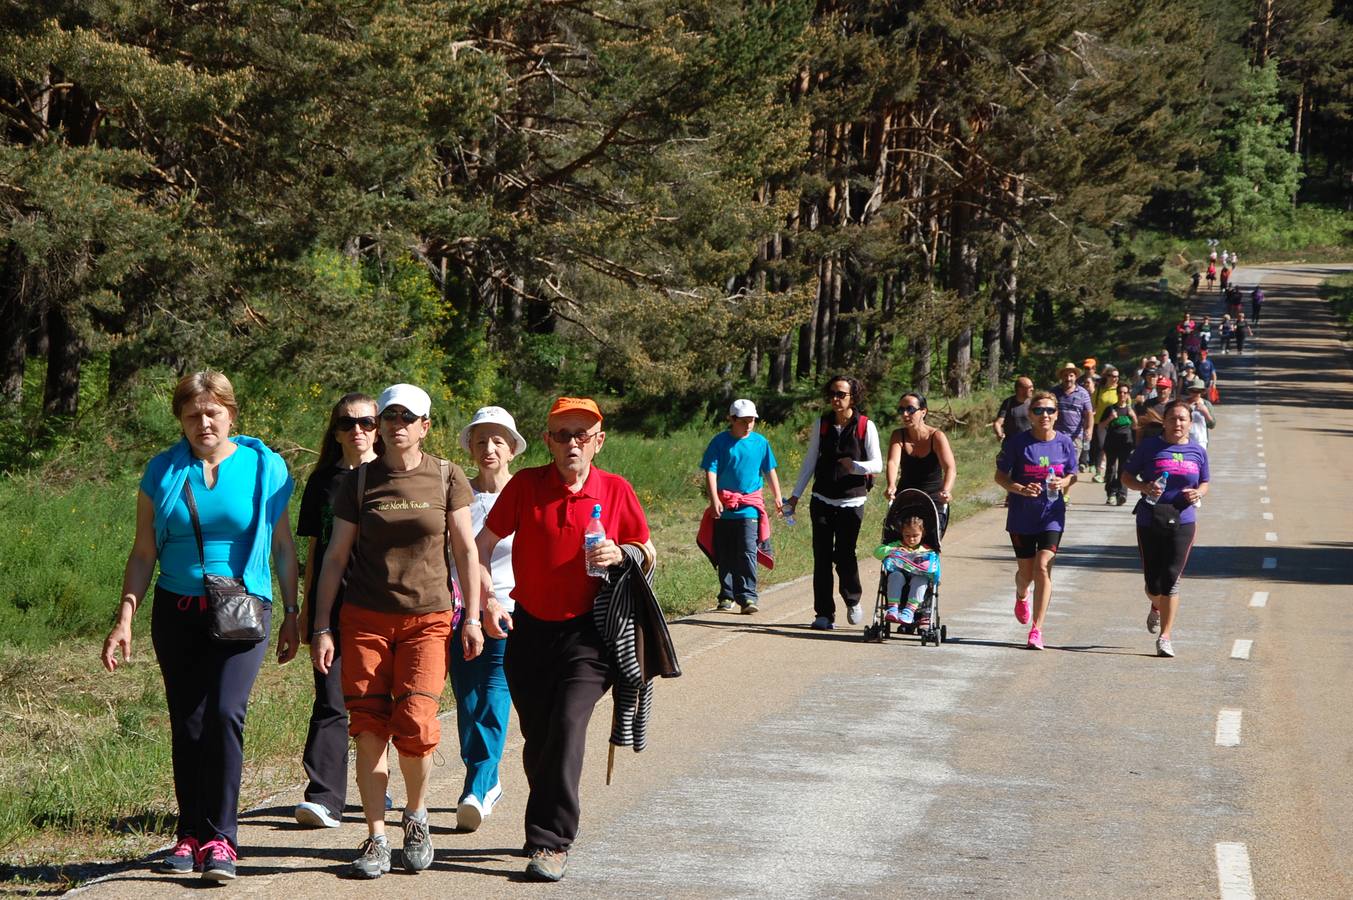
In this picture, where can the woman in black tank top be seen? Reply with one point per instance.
(923, 456)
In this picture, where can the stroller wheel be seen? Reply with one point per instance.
(944, 635)
(870, 634)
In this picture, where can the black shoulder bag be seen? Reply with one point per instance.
(234, 616)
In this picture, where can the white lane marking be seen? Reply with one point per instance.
(1228, 728)
(1270, 562)
(1259, 599)
(1263, 487)
(1265, 499)
(1261, 453)
(1271, 536)
(1262, 465)
(1233, 872)
(1268, 516)
(1241, 649)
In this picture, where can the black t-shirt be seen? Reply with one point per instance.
(316, 518)
(1117, 422)
(1014, 415)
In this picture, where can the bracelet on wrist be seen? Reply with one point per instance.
(318, 631)
(290, 610)
(474, 622)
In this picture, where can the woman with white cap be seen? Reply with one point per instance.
(483, 701)
(396, 521)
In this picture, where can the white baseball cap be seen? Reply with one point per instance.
(493, 415)
(412, 398)
(742, 408)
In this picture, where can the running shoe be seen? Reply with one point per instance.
(373, 857)
(1022, 610)
(183, 858)
(1152, 620)
(1035, 639)
(908, 615)
(1163, 647)
(892, 615)
(822, 623)
(750, 607)
(724, 604)
(1122, 498)
(218, 861)
(469, 813)
(854, 615)
(1098, 479)
(315, 815)
(417, 853)
(547, 865)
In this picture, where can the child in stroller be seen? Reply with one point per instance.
(911, 568)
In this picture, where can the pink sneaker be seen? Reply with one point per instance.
(1022, 610)
(183, 858)
(1035, 639)
(891, 614)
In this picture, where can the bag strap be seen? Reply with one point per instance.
(197, 531)
(361, 495)
(444, 468)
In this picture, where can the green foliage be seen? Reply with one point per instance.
(1252, 179)
(1339, 291)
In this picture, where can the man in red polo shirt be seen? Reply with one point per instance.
(556, 663)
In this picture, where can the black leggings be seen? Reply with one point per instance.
(1164, 553)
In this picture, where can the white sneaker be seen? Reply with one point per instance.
(1153, 620)
(1163, 647)
(854, 615)
(315, 816)
(469, 813)
(492, 797)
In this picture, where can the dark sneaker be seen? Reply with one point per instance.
(183, 858)
(373, 857)
(218, 861)
(417, 854)
(724, 604)
(547, 865)
(822, 623)
(750, 607)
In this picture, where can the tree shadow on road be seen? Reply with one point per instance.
(1324, 564)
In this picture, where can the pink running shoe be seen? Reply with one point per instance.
(1035, 639)
(891, 614)
(1022, 610)
(183, 858)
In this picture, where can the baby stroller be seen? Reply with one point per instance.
(910, 502)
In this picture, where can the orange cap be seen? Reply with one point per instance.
(575, 404)
(1089, 361)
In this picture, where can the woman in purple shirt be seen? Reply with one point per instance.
(1167, 519)
(1036, 467)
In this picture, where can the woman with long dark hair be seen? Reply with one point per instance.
(842, 459)
(919, 456)
(349, 440)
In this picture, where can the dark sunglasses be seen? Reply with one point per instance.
(563, 437)
(347, 423)
(837, 395)
(408, 418)
(1043, 410)
(909, 410)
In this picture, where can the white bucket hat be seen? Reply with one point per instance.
(494, 415)
(742, 408)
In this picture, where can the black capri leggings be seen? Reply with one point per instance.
(1164, 553)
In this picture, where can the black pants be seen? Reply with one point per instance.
(735, 549)
(1255, 310)
(836, 529)
(207, 684)
(1116, 452)
(326, 743)
(556, 671)
(1164, 554)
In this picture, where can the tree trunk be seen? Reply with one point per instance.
(14, 312)
(825, 312)
(1297, 119)
(923, 350)
(65, 352)
(779, 366)
(991, 348)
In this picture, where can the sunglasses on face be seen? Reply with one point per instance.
(563, 437)
(1043, 410)
(837, 395)
(909, 410)
(408, 418)
(347, 423)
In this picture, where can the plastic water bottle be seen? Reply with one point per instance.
(1049, 486)
(1160, 482)
(593, 535)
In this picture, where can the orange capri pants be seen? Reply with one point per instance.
(394, 668)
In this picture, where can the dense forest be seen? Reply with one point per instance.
(641, 196)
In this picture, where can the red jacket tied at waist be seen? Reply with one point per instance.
(704, 538)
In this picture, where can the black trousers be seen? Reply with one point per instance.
(207, 684)
(836, 529)
(1116, 453)
(556, 671)
(326, 743)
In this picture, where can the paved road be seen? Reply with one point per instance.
(790, 763)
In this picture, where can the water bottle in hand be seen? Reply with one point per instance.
(1160, 482)
(1050, 486)
(593, 535)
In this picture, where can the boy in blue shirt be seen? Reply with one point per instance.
(734, 463)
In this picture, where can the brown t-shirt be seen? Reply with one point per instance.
(399, 563)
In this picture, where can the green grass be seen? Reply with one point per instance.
(1339, 292)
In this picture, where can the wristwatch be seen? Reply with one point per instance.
(290, 610)
(472, 622)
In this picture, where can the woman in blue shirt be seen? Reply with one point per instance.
(1167, 518)
(241, 490)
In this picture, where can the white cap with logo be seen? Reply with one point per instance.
(493, 415)
(742, 408)
(412, 398)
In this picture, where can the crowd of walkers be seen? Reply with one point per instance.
(510, 582)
